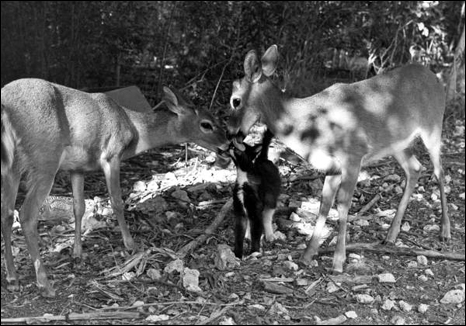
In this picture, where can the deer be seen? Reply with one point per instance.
(255, 194)
(48, 127)
(344, 127)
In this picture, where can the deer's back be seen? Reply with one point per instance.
(374, 117)
(57, 122)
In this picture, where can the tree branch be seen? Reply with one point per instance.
(379, 248)
(210, 230)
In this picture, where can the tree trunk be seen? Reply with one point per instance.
(455, 85)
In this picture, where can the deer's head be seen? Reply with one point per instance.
(247, 98)
(196, 125)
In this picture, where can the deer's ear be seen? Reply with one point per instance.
(269, 60)
(252, 67)
(175, 102)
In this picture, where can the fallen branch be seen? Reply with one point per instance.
(405, 238)
(210, 230)
(377, 247)
(369, 205)
(213, 316)
(74, 316)
(128, 265)
(171, 303)
(306, 178)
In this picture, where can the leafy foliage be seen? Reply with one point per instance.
(199, 45)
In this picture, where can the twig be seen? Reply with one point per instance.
(377, 247)
(210, 230)
(219, 80)
(365, 208)
(215, 315)
(195, 80)
(456, 163)
(312, 286)
(236, 303)
(277, 279)
(306, 178)
(335, 283)
(167, 35)
(233, 52)
(412, 241)
(209, 203)
(74, 316)
(128, 265)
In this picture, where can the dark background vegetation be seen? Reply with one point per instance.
(198, 46)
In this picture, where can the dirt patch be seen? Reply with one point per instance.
(168, 210)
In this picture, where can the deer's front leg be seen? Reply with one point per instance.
(79, 207)
(111, 169)
(331, 184)
(349, 179)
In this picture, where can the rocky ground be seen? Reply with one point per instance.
(179, 213)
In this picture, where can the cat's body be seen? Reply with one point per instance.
(255, 194)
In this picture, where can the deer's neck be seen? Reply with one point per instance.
(291, 120)
(153, 129)
(276, 108)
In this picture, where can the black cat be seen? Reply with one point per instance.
(255, 194)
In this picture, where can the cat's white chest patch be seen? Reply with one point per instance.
(241, 177)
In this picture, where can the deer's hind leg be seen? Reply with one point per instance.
(412, 169)
(39, 184)
(433, 144)
(10, 184)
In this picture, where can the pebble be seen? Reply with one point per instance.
(429, 272)
(388, 305)
(139, 186)
(181, 195)
(431, 228)
(295, 217)
(422, 308)
(412, 264)
(290, 265)
(406, 307)
(405, 227)
(154, 274)
(354, 256)
(361, 222)
(226, 321)
(398, 320)
(423, 278)
(279, 236)
(332, 287)
(364, 298)
(453, 296)
(422, 260)
(233, 297)
(386, 278)
(351, 314)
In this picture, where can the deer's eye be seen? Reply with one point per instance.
(236, 102)
(207, 126)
